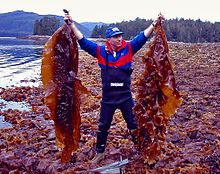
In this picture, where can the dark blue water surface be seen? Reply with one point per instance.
(20, 62)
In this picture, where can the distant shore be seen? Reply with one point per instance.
(43, 39)
(38, 38)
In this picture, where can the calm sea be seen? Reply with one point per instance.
(20, 62)
(20, 65)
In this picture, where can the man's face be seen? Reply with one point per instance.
(115, 41)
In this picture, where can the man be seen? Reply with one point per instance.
(115, 60)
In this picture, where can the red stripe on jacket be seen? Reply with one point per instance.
(121, 61)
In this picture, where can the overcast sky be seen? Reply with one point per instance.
(118, 10)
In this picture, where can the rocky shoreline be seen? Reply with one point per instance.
(193, 134)
(37, 38)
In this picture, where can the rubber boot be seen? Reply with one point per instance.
(101, 141)
(100, 146)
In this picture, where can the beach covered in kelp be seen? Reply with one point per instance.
(192, 146)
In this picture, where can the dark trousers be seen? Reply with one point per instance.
(106, 115)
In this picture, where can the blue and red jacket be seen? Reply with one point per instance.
(115, 67)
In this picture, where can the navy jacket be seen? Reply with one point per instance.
(115, 67)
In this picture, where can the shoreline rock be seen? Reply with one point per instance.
(192, 134)
(38, 38)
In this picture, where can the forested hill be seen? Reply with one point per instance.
(21, 23)
(177, 30)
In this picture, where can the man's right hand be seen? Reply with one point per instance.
(68, 19)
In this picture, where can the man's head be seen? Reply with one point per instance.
(113, 31)
(114, 37)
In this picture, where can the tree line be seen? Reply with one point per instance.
(46, 26)
(49, 24)
(177, 30)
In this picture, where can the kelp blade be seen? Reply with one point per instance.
(61, 86)
(157, 98)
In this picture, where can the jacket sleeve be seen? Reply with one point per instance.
(88, 46)
(138, 42)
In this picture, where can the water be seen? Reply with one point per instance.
(22, 106)
(20, 62)
(20, 65)
(3, 123)
(5, 105)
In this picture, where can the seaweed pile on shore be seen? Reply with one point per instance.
(193, 142)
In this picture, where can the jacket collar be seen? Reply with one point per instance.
(108, 47)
